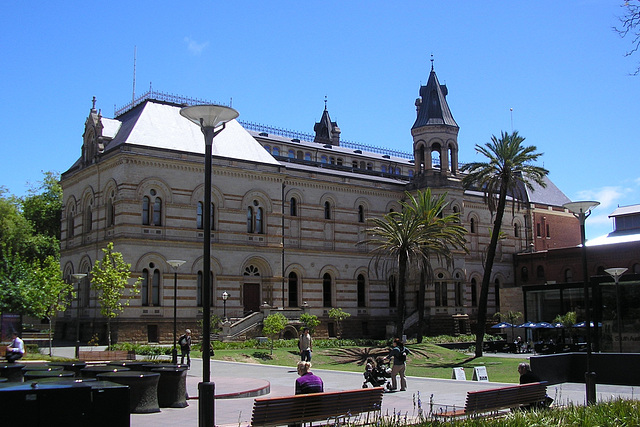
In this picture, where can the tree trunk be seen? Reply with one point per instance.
(421, 294)
(402, 273)
(486, 278)
(109, 331)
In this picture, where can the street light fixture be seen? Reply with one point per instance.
(225, 297)
(175, 264)
(616, 273)
(208, 117)
(582, 210)
(78, 277)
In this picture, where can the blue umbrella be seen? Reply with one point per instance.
(558, 325)
(584, 324)
(502, 325)
(527, 325)
(544, 325)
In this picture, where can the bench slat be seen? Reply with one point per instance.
(315, 407)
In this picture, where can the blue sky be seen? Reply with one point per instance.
(558, 65)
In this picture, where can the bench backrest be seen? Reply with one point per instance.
(302, 408)
(505, 397)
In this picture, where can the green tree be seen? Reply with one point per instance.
(309, 321)
(49, 292)
(43, 206)
(411, 237)
(442, 234)
(506, 171)
(272, 325)
(338, 315)
(510, 317)
(110, 278)
(568, 319)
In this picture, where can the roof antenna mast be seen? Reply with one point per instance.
(133, 95)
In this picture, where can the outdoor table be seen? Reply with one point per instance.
(143, 389)
(12, 371)
(172, 387)
(32, 375)
(110, 404)
(75, 366)
(93, 371)
(151, 366)
(40, 367)
(131, 364)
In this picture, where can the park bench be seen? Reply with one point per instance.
(106, 355)
(307, 408)
(494, 400)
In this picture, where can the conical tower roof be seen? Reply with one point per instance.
(432, 105)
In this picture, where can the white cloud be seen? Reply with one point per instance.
(194, 47)
(607, 196)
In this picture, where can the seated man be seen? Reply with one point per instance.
(16, 349)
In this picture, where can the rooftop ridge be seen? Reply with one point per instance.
(185, 100)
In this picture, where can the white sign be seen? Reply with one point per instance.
(480, 374)
(458, 374)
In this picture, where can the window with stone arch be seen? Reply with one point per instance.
(268, 148)
(71, 221)
(275, 151)
(293, 206)
(441, 291)
(200, 217)
(150, 286)
(327, 290)
(472, 226)
(361, 286)
(152, 209)
(360, 213)
(111, 211)
(327, 210)
(88, 216)
(293, 289)
(255, 218)
(251, 270)
(459, 289)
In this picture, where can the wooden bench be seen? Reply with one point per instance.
(106, 355)
(494, 400)
(307, 408)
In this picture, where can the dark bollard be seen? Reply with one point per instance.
(590, 382)
(172, 387)
(12, 372)
(206, 411)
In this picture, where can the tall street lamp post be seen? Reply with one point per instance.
(208, 117)
(616, 273)
(582, 210)
(175, 264)
(78, 277)
(225, 297)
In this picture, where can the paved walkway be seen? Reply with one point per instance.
(237, 384)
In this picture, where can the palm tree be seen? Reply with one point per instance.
(441, 234)
(507, 171)
(411, 236)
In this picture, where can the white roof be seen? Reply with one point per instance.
(625, 210)
(162, 126)
(110, 127)
(608, 239)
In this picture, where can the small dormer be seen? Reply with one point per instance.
(327, 132)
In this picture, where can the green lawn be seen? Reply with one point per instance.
(426, 360)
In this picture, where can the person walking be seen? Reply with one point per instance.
(185, 347)
(304, 344)
(399, 354)
(15, 350)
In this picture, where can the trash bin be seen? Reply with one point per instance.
(172, 387)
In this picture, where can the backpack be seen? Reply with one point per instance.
(182, 341)
(403, 354)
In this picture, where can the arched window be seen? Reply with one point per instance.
(146, 206)
(327, 210)
(524, 274)
(324, 159)
(268, 148)
(474, 292)
(540, 272)
(293, 289)
(255, 218)
(568, 275)
(516, 230)
(71, 223)
(361, 285)
(292, 154)
(88, 218)
(384, 169)
(150, 288)
(293, 207)
(144, 287)
(360, 213)
(111, 211)
(307, 157)
(369, 166)
(326, 290)
(157, 211)
(275, 151)
(200, 218)
(459, 289)
(339, 161)
(393, 293)
(441, 291)
(155, 288)
(472, 225)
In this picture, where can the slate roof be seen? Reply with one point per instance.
(432, 104)
(160, 125)
(549, 195)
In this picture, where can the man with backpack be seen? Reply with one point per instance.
(185, 347)
(399, 353)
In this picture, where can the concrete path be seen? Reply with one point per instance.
(237, 384)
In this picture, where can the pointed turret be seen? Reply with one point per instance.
(435, 132)
(327, 132)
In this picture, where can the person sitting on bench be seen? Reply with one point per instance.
(15, 351)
